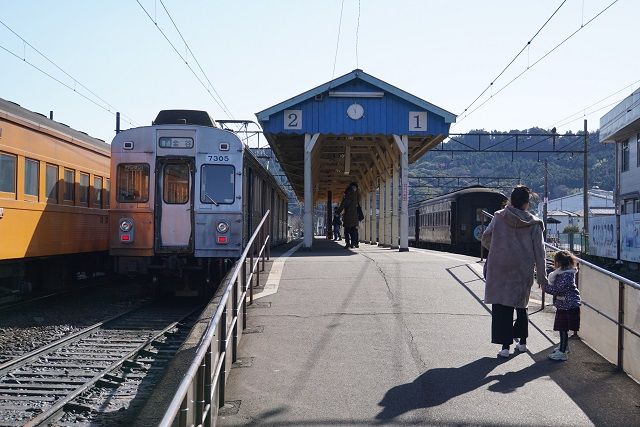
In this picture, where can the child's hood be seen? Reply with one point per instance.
(557, 271)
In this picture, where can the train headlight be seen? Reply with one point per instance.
(126, 225)
(222, 227)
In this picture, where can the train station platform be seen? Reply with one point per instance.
(372, 336)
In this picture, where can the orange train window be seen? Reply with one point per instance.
(7, 173)
(69, 185)
(97, 191)
(84, 188)
(107, 192)
(31, 175)
(51, 182)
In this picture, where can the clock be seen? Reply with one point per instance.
(355, 111)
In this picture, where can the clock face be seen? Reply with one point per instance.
(355, 111)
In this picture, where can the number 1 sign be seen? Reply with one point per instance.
(417, 121)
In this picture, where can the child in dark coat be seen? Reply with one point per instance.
(566, 298)
(337, 223)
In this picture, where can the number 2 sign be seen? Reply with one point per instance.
(293, 119)
(417, 121)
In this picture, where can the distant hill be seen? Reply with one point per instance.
(564, 171)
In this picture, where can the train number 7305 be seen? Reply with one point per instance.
(212, 158)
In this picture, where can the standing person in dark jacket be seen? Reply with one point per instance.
(349, 205)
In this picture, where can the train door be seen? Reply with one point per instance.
(174, 205)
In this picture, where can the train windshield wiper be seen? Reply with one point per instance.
(210, 198)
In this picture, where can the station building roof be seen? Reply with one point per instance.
(358, 111)
(622, 121)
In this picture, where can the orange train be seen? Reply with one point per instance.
(54, 196)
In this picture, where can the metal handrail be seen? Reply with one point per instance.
(205, 342)
(622, 281)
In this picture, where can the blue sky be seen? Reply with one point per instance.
(258, 53)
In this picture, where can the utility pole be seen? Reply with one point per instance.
(546, 199)
(585, 177)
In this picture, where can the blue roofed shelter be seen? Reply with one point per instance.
(355, 128)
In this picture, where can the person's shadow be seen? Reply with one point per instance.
(436, 386)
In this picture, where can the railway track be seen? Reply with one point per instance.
(38, 387)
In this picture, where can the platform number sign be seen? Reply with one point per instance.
(293, 119)
(417, 121)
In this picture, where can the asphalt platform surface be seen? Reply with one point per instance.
(373, 336)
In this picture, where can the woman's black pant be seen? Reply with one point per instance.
(503, 329)
(351, 235)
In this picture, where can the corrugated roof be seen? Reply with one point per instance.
(38, 120)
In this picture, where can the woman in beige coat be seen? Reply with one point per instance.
(515, 243)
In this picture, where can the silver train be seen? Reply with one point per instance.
(186, 194)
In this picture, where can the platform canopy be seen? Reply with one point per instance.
(354, 119)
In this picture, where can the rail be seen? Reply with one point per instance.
(622, 283)
(201, 391)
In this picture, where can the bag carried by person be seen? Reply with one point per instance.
(360, 213)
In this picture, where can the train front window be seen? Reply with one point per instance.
(7, 173)
(175, 184)
(218, 184)
(132, 183)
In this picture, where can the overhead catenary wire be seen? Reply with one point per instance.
(109, 107)
(526, 46)
(226, 109)
(539, 60)
(155, 22)
(97, 104)
(335, 56)
(563, 121)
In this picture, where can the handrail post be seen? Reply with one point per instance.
(251, 271)
(264, 249)
(243, 274)
(270, 230)
(620, 325)
(222, 352)
(199, 397)
(234, 355)
(184, 412)
(208, 387)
